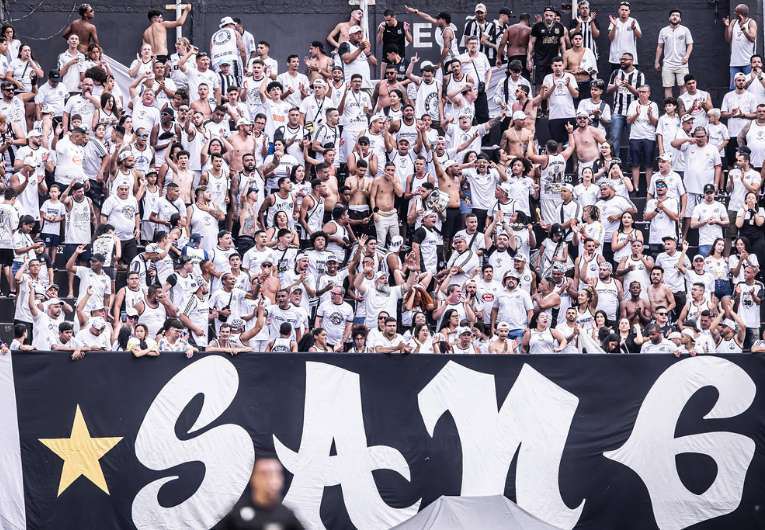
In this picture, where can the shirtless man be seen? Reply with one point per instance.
(83, 28)
(383, 88)
(358, 206)
(580, 62)
(202, 105)
(318, 64)
(528, 106)
(516, 39)
(341, 30)
(415, 180)
(449, 180)
(658, 292)
(515, 140)
(363, 151)
(156, 34)
(636, 309)
(382, 201)
(183, 176)
(242, 142)
(588, 140)
(324, 172)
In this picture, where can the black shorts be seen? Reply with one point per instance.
(69, 249)
(95, 193)
(453, 222)
(162, 59)
(540, 72)
(6, 256)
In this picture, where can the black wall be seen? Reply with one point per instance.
(291, 26)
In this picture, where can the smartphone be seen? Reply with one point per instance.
(123, 317)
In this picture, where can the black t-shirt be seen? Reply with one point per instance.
(247, 516)
(394, 35)
(401, 67)
(548, 42)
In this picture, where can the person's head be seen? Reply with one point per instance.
(549, 16)
(451, 319)
(675, 16)
(20, 332)
(267, 480)
(697, 290)
(635, 289)
(644, 92)
(557, 66)
(605, 270)
(390, 327)
(359, 336)
(625, 61)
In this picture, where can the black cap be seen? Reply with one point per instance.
(318, 44)
(363, 140)
(202, 54)
(556, 230)
(183, 260)
(168, 110)
(54, 75)
(505, 11)
(709, 188)
(98, 257)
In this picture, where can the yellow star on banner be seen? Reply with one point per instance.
(81, 454)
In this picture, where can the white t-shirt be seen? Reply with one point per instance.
(704, 212)
(641, 127)
(121, 214)
(700, 165)
(288, 81)
(143, 116)
(676, 43)
(196, 77)
(69, 161)
(624, 40)
(561, 100)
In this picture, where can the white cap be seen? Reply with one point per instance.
(396, 243)
(47, 109)
(503, 325)
(449, 163)
(243, 121)
(689, 332)
(98, 323)
(225, 21)
(354, 29)
(519, 115)
(464, 329)
(153, 247)
(377, 117)
(320, 82)
(54, 301)
(423, 64)
(729, 323)
(31, 161)
(35, 133)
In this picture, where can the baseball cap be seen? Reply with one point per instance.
(673, 238)
(728, 323)
(54, 75)
(674, 335)
(354, 29)
(665, 156)
(506, 187)
(505, 11)
(243, 121)
(31, 161)
(519, 115)
(449, 163)
(556, 230)
(686, 118)
(481, 8)
(376, 117)
(296, 288)
(521, 257)
(98, 323)
(55, 301)
(582, 114)
(425, 64)
(363, 140)
(319, 82)
(195, 237)
(689, 333)
(464, 329)
(329, 258)
(225, 21)
(709, 188)
(559, 267)
(378, 275)
(568, 187)
(300, 256)
(511, 274)
(503, 325)
(739, 74)
(698, 256)
(34, 132)
(338, 68)
(152, 247)
(47, 109)
(396, 243)
(224, 61)
(131, 312)
(458, 235)
(98, 257)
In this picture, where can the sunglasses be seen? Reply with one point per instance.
(662, 314)
(661, 185)
(142, 135)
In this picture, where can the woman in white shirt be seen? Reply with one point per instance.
(23, 68)
(127, 122)
(141, 344)
(622, 184)
(95, 58)
(13, 43)
(742, 257)
(142, 63)
(422, 341)
(587, 192)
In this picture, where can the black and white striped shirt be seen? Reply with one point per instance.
(622, 96)
(225, 82)
(473, 28)
(586, 30)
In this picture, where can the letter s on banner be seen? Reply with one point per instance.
(652, 446)
(226, 451)
(535, 416)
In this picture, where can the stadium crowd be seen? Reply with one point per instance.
(258, 206)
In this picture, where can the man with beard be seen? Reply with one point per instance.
(336, 317)
(498, 254)
(656, 342)
(570, 330)
(515, 141)
(669, 261)
(121, 211)
(659, 293)
(588, 140)
(378, 295)
(610, 292)
(513, 306)
(611, 209)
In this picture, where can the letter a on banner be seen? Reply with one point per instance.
(652, 447)
(226, 451)
(536, 416)
(333, 412)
